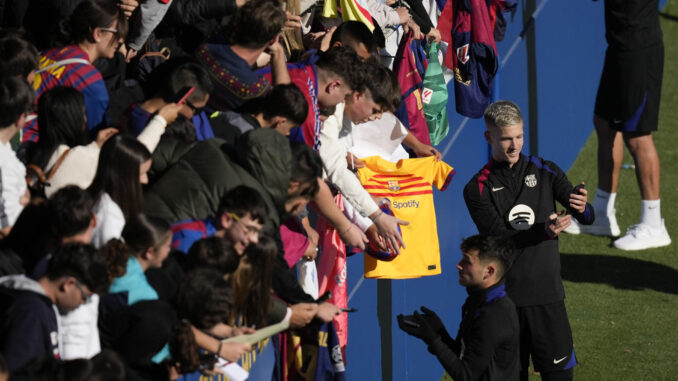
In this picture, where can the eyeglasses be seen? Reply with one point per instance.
(85, 297)
(112, 30)
(196, 110)
(250, 229)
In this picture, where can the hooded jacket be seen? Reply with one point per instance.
(29, 322)
(193, 186)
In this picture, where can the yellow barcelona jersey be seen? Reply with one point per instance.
(407, 184)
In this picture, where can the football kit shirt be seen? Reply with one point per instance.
(407, 184)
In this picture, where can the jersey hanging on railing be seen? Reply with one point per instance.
(409, 66)
(471, 27)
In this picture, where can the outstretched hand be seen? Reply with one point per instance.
(353, 236)
(388, 229)
(556, 223)
(417, 326)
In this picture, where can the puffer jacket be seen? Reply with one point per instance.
(193, 186)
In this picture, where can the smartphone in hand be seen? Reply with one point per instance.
(578, 188)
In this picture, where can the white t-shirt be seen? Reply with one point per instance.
(110, 221)
(12, 185)
(79, 331)
(381, 137)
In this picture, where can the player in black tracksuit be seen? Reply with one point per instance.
(486, 347)
(515, 196)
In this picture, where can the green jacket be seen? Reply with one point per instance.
(192, 187)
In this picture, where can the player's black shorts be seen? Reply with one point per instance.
(545, 335)
(630, 88)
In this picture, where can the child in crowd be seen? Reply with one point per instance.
(241, 216)
(192, 122)
(145, 244)
(122, 168)
(16, 99)
(281, 109)
(252, 283)
(18, 58)
(30, 308)
(62, 156)
(213, 252)
(203, 304)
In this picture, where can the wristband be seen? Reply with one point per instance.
(218, 353)
(377, 216)
(383, 202)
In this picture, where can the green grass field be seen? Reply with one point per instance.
(623, 306)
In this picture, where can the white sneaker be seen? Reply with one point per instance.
(603, 226)
(643, 236)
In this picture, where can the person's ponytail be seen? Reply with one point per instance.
(116, 254)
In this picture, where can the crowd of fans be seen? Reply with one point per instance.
(159, 162)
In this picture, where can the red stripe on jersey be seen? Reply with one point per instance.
(401, 188)
(400, 181)
(387, 176)
(402, 194)
(197, 225)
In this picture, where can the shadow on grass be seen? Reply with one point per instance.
(619, 272)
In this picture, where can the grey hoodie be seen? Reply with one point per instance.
(29, 321)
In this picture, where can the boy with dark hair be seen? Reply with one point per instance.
(281, 109)
(257, 23)
(18, 58)
(72, 220)
(212, 252)
(16, 100)
(191, 115)
(357, 36)
(71, 208)
(256, 28)
(29, 309)
(487, 342)
(325, 80)
(239, 219)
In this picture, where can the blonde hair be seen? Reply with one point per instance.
(502, 114)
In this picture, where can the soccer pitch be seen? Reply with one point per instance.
(623, 306)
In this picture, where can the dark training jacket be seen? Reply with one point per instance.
(516, 202)
(486, 348)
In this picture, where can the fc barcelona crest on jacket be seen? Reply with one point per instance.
(531, 181)
(393, 185)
